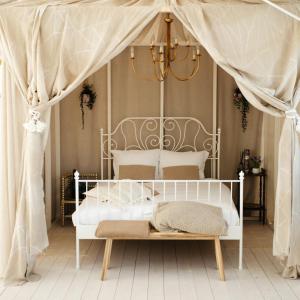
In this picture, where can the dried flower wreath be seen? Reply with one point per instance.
(242, 104)
(88, 99)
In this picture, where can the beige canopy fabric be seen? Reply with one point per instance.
(63, 45)
(267, 71)
(52, 47)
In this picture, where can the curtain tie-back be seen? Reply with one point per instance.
(34, 124)
(293, 114)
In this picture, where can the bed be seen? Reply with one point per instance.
(181, 136)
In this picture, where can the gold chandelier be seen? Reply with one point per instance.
(164, 55)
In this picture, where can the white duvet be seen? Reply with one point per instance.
(92, 210)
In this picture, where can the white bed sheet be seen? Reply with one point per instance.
(91, 211)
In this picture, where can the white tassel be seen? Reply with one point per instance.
(293, 114)
(34, 124)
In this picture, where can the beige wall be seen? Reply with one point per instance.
(80, 148)
(136, 97)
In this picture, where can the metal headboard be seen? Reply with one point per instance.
(172, 133)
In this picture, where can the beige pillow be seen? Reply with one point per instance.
(181, 173)
(137, 172)
(189, 216)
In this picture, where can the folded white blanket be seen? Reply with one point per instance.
(121, 193)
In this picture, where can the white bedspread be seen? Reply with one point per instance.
(92, 211)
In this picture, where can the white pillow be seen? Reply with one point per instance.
(171, 159)
(135, 157)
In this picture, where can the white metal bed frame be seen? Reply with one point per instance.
(161, 132)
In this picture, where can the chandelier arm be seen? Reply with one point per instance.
(174, 52)
(193, 73)
(187, 52)
(162, 70)
(138, 75)
(153, 56)
(157, 72)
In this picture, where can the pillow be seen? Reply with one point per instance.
(137, 172)
(135, 157)
(189, 216)
(181, 173)
(171, 159)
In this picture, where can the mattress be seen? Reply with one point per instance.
(91, 211)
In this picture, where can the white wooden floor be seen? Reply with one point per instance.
(157, 270)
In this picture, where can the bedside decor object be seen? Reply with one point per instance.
(88, 99)
(245, 161)
(256, 163)
(242, 104)
(67, 201)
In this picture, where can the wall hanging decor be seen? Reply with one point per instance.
(87, 98)
(242, 104)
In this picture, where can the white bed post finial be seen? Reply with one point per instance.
(241, 178)
(76, 177)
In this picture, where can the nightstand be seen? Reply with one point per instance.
(67, 202)
(261, 205)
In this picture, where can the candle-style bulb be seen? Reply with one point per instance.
(194, 55)
(132, 52)
(161, 49)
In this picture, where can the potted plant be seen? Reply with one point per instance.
(256, 164)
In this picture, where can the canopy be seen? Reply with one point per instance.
(50, 47)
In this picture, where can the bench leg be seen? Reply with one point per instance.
(106, 258)
(219, 258)
(109, 251)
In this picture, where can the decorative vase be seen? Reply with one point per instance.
(256, 170)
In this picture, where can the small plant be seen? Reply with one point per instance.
(242, 104)
(88, 99)
(256, 162)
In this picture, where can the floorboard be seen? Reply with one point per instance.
(141, 274)
(157, 270)
(171, 277)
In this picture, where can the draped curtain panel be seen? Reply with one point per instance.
(249, 44)
(51, 48)
(49, 51)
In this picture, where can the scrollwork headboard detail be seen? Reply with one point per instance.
(171, 133)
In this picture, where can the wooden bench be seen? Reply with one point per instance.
(155, 235)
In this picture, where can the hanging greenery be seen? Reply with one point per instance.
(242, 104)
(87, 98)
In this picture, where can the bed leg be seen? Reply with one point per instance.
(77, 253)
(241, 254)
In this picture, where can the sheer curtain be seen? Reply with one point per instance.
(250, 44)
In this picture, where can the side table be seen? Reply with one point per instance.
(261, 205)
